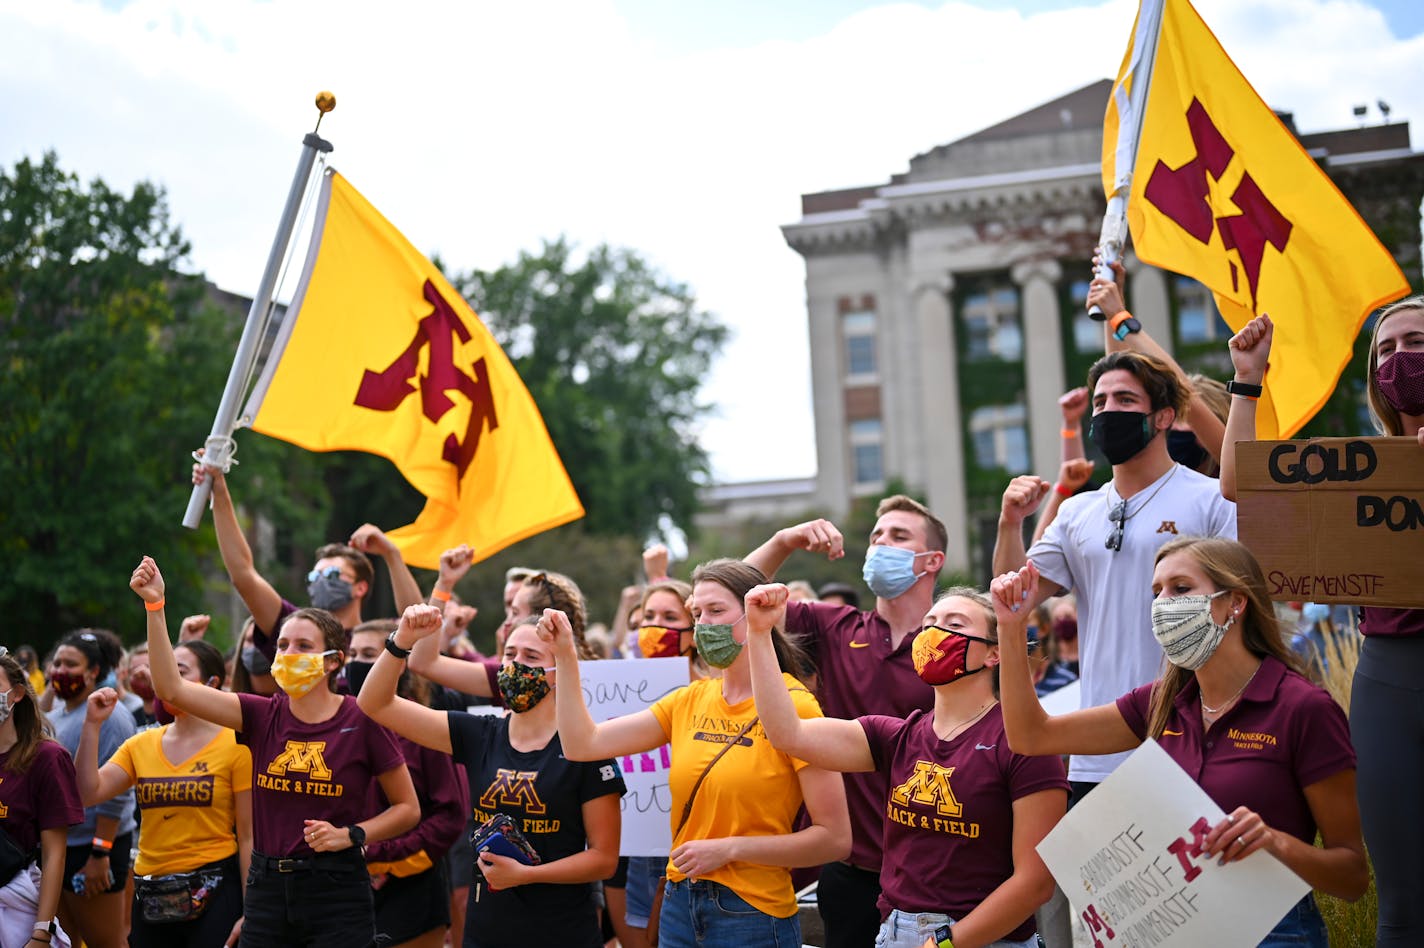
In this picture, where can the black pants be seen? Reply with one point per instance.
(1387, 729)
(846, 898)
(209, 930)
(323, 901)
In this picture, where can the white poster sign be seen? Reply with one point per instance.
(622, 686)
(1130, 858)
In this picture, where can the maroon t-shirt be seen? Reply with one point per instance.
(306, 771)
(949, 811)
(858, 673)
(1282, 736)
(45, 796)
(1388, 622)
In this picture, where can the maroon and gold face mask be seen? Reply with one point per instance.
(656, 641)
(942, 656)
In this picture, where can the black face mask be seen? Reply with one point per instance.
(356, 673)
(1121, 435)
(1185, 449)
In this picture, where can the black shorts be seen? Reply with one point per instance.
(461, 859)
(76, 856)
(410, 906)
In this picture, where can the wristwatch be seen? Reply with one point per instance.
(394, 649)
(1244, 389)
(358, 836)
(1124, 324)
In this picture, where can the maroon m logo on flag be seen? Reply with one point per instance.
(386, 390)
(1182, 195)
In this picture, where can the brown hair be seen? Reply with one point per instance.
(333, 635)
(683, 592)
(1163, 386)
(32, 728)
(1230, 566)
(557, 591)
(738, 578)
(360, 563)
(1386, 416)
(935, 532)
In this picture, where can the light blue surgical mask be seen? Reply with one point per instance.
(889, 571)
(1315, 612)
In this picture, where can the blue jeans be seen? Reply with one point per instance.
(1302, 925)
(704, 914)
(910, 929)
(643, 875)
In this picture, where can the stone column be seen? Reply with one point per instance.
(1151, 300)
(943, 438)
(1043, 360)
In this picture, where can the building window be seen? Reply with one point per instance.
(1198, 320)
(858, 328)
(992, 323)
(1087, 332)
(999, 434)
(866, 454)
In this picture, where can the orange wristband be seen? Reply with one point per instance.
(1062, 490)
(154, 606)
(1069, 433)
(441, 596)
(1119, 319)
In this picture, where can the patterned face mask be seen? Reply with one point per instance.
(942, 655)
(523, 686)
(656, 641)
(297, 673)
(1185, 629)
(716, 644)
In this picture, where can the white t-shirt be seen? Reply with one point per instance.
(1116, 649)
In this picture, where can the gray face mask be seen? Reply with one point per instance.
(255, 662)
(329, 592)
(5, 709)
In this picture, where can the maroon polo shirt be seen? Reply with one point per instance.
(948, 815)
(858, 673)
(45, 796)
(1282, 736)
(1387, 622)
(303, 771)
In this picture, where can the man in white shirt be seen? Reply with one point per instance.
(1103, 544)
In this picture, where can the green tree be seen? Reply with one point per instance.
(113, 360)
(614, 354)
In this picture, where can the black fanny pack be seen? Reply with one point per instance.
(12, 857)
(179, 896)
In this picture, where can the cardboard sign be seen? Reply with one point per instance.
(1130, 858)
(1335, 519)
(617, 687)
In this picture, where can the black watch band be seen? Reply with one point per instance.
(1243, 388)
(358, 836)
(394, 649)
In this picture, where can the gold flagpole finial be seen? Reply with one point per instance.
(325, 102)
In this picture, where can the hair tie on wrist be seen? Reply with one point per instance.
(154, 606)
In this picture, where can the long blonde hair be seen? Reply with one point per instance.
(32, 728)
(1386, 416)
(1230, 566)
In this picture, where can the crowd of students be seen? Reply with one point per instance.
(320, 786)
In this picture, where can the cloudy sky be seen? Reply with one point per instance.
(684, 130)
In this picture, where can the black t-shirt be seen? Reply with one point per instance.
(544, 794)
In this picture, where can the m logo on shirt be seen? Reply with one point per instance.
(929, 786)
(302, 757)
(1168, 526)
(201, 767)
(513, 788)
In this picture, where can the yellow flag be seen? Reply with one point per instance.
(380, 354)
(1223, 193)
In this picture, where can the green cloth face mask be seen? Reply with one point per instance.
(715, 643)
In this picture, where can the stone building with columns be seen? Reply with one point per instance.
(945, 310)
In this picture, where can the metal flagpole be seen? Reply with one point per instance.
(219, 447)
(1112, 239)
